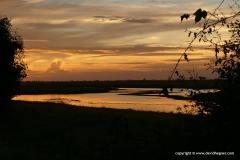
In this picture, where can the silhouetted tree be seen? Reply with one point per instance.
(12, 67)
(222, 106)
(227, 59)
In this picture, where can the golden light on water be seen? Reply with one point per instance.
(114, 100)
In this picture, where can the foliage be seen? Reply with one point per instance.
(212, 26)
(199, 14)
(12, 67)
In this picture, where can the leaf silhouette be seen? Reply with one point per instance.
(204, 14)
(189, 34)
(184, 16)
(198, 15)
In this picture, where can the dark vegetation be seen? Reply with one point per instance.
(223, 104)
(37, 131)
(12, 67)
(105, 86)
(222, 107)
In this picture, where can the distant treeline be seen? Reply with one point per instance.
(72, 87)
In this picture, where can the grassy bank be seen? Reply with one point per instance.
(47, 131)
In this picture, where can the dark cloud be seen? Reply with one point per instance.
(122, 19)
(195, 59)
(139, 20)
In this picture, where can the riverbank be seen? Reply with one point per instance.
(34, 130)
(78, 87)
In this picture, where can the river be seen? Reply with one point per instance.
(118, 99)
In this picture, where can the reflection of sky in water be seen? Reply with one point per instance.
(115, 100)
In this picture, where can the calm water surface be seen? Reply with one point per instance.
(116, 99)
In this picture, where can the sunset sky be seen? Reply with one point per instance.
(105, 39)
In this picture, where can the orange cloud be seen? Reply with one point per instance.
(55, 67)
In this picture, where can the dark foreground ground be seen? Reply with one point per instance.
(47, 131)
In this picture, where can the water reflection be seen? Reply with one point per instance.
(116, 99)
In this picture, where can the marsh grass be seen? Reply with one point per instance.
(48, 131)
